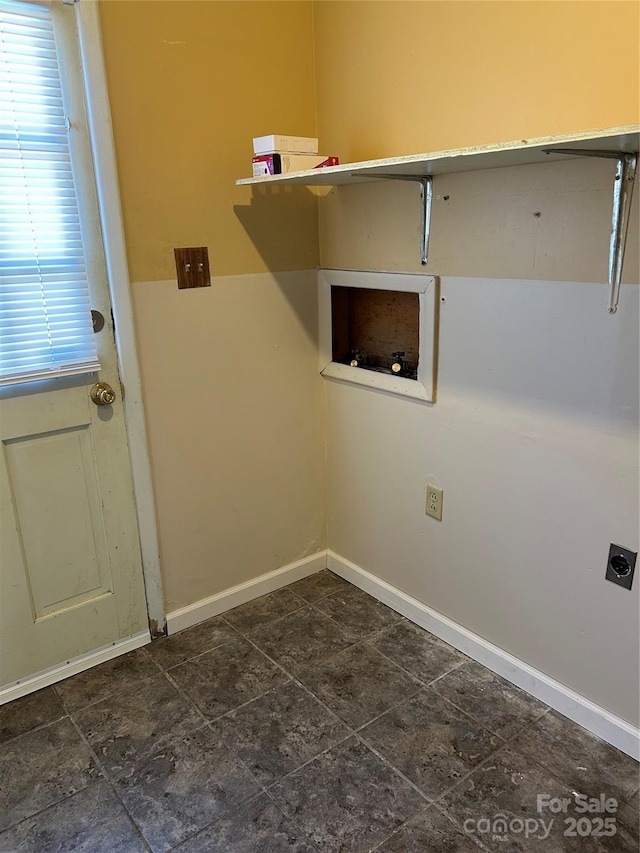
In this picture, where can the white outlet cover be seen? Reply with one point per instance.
(434, 502)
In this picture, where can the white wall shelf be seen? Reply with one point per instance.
(621, 143)
(522, 152)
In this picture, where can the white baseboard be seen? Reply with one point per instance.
(190, 615)
(72, 667)
(578, 708)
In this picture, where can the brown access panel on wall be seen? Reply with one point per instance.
(372, 325)
(192, 266)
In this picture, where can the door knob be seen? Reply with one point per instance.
(102, 394)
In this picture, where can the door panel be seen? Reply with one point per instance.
(53, 482)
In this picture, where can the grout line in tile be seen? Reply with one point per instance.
(437, 807)
(358, 592)
(407, 671)
(243, 764)
(205, 724)
(61, 698)
(240, 804)
(292, 675)
(257, 647)
(292, 820)
(348, 735)
(330, 656)
(236, 807)
(211, 720)
(342, 591)
(195, 657)
(506, 742)
(69, 797)
(536, 760)
(223, 615)
(275, 621)
(246, 635)
(186, 697)
(351, 734)
(335, 621)
(35, 728)
(107, 778)
(354, 732)
(369, 638)
(264, 790)
(183, 693)
(481, 724)
(388, 710)
(397, 770)
(476, 722)
(470, 772)
(297, 594)
(329, 594)
(293, 679)
(448, 672)
(409, 820)
(562, 786)
(139, 680)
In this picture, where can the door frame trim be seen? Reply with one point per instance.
(103, 150)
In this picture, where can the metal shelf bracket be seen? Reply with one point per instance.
(426, 197)
(622, 193)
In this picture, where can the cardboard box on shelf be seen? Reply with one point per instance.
(280, 164)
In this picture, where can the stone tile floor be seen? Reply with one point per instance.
(312, 719)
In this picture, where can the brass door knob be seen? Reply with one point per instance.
(102, 394)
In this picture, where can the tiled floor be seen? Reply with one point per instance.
(313, 719)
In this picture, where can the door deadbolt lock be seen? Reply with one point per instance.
(102, 394)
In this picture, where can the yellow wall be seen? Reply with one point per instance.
(233, 400)
(398, 77)
(191, 83)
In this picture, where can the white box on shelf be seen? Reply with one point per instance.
(285, 144)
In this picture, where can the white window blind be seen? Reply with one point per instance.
(45, 312)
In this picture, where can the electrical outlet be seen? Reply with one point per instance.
(621, 565)
(434, 502)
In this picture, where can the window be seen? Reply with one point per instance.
(45, 313)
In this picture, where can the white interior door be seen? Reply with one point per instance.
(71, 577)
